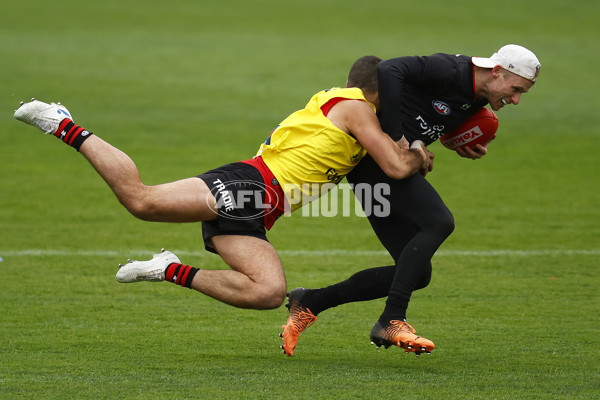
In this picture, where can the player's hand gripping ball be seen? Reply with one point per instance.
(479, 128)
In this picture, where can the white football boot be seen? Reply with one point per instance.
(45, 116)
(152, 270)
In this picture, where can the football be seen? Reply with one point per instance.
(479, 128)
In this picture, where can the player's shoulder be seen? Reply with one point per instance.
(457, 60)
(339, 91)
(352, 93)
(448, 69)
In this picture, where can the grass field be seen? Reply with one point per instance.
(185, 86)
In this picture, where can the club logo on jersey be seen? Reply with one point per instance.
(441, 107)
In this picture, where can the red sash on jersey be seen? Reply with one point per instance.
(273, 192)
(332, 102)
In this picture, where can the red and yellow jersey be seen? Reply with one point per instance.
(307, 153)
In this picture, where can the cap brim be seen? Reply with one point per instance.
(484, 62)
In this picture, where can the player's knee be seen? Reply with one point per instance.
(140, 208)
(425, 279)
(274, 300)
(137, 209)
(270, 297)
(443, 223)
(448, 223)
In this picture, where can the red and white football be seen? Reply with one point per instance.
(479, 128)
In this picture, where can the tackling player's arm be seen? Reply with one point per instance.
(357, 118)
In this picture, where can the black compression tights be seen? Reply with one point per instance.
(417, 224)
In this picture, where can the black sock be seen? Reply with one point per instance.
(180, 274)
(72, 134)
(368, 284)
(395, 309)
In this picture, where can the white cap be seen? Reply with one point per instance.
(514, 58)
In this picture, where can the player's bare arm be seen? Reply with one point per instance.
(357, 118)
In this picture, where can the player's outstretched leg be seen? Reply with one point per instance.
(300, 319)
(401, 334)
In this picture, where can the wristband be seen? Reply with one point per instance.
(418, 144)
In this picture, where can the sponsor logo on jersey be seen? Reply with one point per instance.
(432, 132)
(334, 176)
(441, 107)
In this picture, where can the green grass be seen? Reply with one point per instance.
(185, 86)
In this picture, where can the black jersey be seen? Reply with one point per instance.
(425, 97)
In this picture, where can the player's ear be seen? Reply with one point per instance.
(497, 71)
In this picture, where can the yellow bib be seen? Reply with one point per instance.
(308, 154)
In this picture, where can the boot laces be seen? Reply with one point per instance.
(301, 317)
(396, 327)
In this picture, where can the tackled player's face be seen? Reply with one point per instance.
(507, 88)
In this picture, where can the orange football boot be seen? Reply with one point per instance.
(300, 319)
(401, 334)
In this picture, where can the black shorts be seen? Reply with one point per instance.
(243, 217)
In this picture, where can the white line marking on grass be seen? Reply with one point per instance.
(445, 253)
(303, 253)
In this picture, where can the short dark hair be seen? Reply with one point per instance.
(363, 74)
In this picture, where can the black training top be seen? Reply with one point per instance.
(425, 97)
